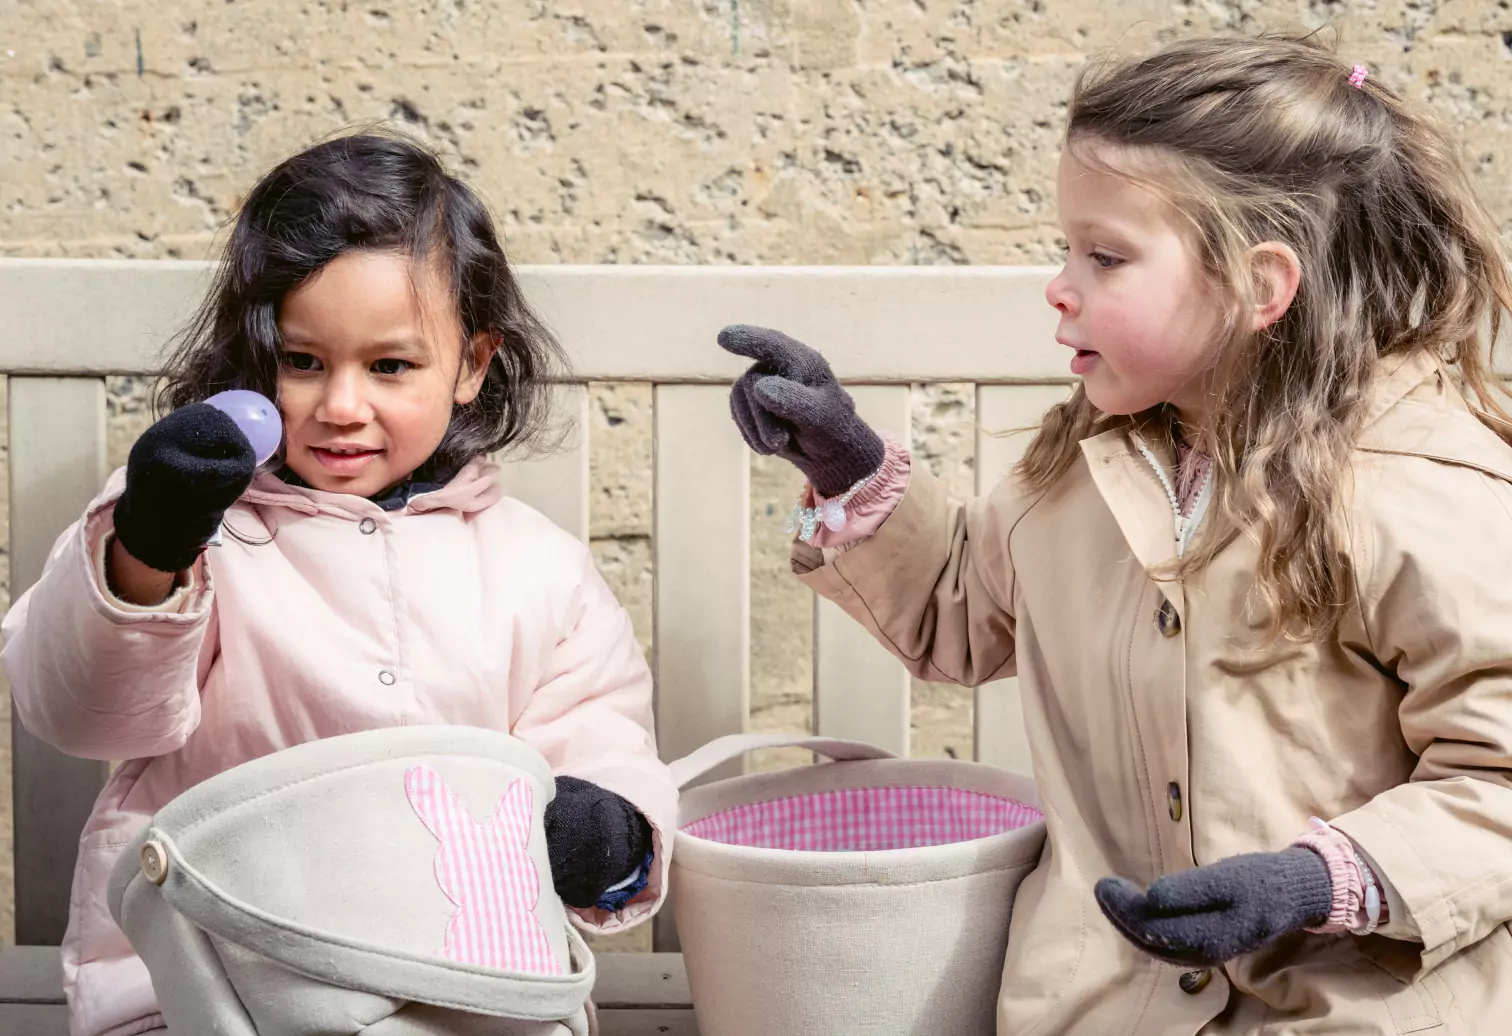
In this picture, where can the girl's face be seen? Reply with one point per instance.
(372, 365)
(1132, 298)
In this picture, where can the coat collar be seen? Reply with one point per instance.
(1135, 495)
(1398, 376)
(474, 488)
(1421, 413)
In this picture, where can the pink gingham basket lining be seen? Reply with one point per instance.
(865, 820)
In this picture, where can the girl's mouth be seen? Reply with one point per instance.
(345, 460)
(1083, 361)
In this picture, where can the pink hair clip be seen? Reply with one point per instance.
(1358, 76)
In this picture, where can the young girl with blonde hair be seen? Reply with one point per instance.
(1253, 575)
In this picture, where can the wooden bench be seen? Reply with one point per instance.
(65, 324)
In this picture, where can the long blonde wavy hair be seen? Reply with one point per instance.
(1265, 139)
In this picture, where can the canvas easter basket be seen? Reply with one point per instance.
(867, 896)
(389, 883)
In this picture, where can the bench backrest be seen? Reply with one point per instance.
(65, 324)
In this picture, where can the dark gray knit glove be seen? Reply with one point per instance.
(1209, 915)
(789, 404)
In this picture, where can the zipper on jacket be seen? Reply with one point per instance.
(1184, 524)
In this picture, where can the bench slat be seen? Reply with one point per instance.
(702, 577)
(34, 975)
(33, 1020)
(620, 322)
(28, 1020)
(30, 975)
(1000, 737)
(861, 691)
(659, 1022)
(702, 570)
(557, 484)
(57, 464)
(641, 980)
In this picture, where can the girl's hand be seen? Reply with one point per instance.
(595, 841)
(789, 404)
(1209, 915)
(181, 476)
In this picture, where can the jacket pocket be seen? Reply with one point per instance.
(1410, 1004)
(1502, 940)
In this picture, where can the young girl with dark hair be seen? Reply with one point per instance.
(372, 575)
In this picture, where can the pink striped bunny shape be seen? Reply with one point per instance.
(486, 871)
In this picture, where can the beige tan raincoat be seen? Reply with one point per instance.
(1167, 734)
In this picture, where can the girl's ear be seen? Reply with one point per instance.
(478, 353)
(1277, 272)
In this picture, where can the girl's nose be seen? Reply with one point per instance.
(344, 400)
(1058, 293)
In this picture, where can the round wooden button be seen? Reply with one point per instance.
(154, 862)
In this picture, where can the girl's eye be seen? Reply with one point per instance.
(391, 367)
(1106, 261)
(301, 362)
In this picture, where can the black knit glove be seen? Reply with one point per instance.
(1209, 915)
(789, 404)
(594, 839)
(181, 476)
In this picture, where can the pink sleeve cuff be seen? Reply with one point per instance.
(869, 508)
(1348, 912)
(180, 600)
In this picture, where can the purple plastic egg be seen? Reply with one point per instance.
(256, 416)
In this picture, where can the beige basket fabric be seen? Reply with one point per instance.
(391, 882)
(898, 941)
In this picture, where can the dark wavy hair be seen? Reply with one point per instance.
(370, 192)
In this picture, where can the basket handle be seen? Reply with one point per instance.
(732, 746)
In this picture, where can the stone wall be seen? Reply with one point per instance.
(646, 131)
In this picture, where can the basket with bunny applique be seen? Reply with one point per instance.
(390, 883)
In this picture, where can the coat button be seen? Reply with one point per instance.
(154, 862)
(1166, 619)
(1173, 797)
(386, 677)
(367, 526)
(1194, 982)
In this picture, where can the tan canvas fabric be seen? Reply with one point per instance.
(906, 942)
(301, 896)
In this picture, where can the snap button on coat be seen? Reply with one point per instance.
(1167, 620)
(1194, 982)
